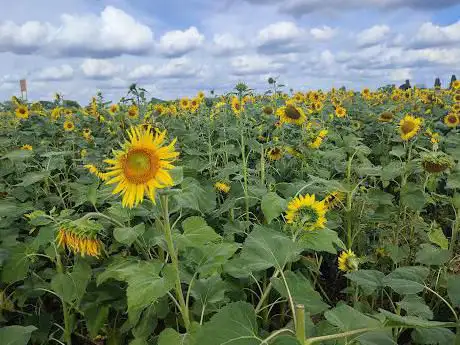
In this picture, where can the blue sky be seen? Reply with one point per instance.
(174, 48)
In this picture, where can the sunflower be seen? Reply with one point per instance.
(22, 112)
(436, 162)
(79, 242)
(86, 133)
(236, 106)
(348, 261)
(274, 153)
(299, 97)
(456, 85)
(56, 113)
(333, 199)
(316, 143)
(317, 106)
(395, 97)
(68, 112)
(456, 108)
(409, 127)
(292, 151)
(268, 110)
(26, 147)
(306, 212)
(133, 112)
(200, 95)
(184, 103)
(340, 112)
(366, 92)
(222, 186)
(194, 104)
(141, 167)
(95, 171)
(160, 109)
(456, 98)
(386, 116)
(114, 108)
(451, 120)
(291, 114)
(83, 153)
(69, 126)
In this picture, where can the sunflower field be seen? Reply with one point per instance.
(240, 219)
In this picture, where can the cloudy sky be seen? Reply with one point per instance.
(177, 47)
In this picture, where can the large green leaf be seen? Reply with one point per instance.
(411, 321)
(301, 291)
(263, 248)
(453, 289)
(128, 235)
(18, 155)
(209, 259)
(17, 265)
(16, 335)
(196, 233)
(272, 206)
(407, 280)
(347, 318)
(432, 256)
(96, 316)
(324, 240)
(415, 306)
(33, 177)
(195, 196)
(429, 336)
(72, 286)
(369, 280)
(209, 291)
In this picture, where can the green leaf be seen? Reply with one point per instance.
(33, 177)
(437, 236)
(18, 155)
(436, 335)
(139, 341)
(415, 306)
(197, 232)
(453, 289)
(301, 291)
(398, 151)
(16, 335)
(453, 181)
(17, 264)
(234, 324)
(195, 196)
(347, 318)
(407, 280)
(169, 336)
(370, 280)
(209, 291)
(391, 170)
(210, 258)
(272, 206)
(324, 240)
(177, 175)
(72, 286)
(413, 197)
(263, 248)
(128, 235)
(432, 256)
(96, 316)
(411, 321)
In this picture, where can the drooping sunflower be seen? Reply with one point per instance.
(333, 199)
(141, 166)
(222, 186)
(184, 103)
(386, 116)
(133, 112)
(307, 212)
(114, 108)
(348, 261)
(69, 126)
(409, 127)
(237, 107)
(275, 153)
(80, 240)
(22, 112)
(436, 162)
(291, 114)
(451, 120)
(340, 112)
(86, 133)
(268, 110)
(26, 147)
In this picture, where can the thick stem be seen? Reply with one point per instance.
(300, 323)
(175, 262)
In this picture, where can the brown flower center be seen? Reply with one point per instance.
(140, 165)
(407, 127)
(292, 112)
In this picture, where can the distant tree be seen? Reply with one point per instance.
(406, 85)
(343, 88)
(437, 84)
(452, 79)
(71, 104)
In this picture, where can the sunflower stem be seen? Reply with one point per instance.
(65, 310)
(175, 262)
(300, 323)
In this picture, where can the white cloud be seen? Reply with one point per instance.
(177, 43)
(323, 33)
(431, 35)
(63, 72)
(226, 44)
(100, 69)
(181, 67)
(400, 74)
(373, 35)
(112, 33)
(254, 64)
(280, 37)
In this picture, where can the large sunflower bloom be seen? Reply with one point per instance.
(22, 112)
(291, 114)
(409, 127)
(307, 212)
(237, 107)
(451, 120)
(184, 103)
(69, 126)
(141, 167)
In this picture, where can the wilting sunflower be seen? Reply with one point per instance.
(451, 120)
(22, 112)
(133, 112)
(69, 126)
(291, 114)
(409, 127)
(114, 108)
(340, 112)
(26, 147)
(86, 133)
(237, 107)
(306, 212)
(141, 166)
(436, 162)
(333, 199)
(184, 103)
(268, 110)
(274, 153)
(80, 240)
(222, 186)
(386, 116)
(348, 261)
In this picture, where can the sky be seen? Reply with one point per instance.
(175, 48)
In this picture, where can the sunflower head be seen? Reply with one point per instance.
(268, 110)
(141, 166)
(26, 147)
(222, 187)
(22, 112)
(133, 112)
(348, 261)
(80, 237)
(386, 116)
(340, 112)
(291, 114)
(306, 212)
(69, 126)
(200, 95)
(86, 133)
(409, 127)
(114, 108)
(237, 107)
(83, 153)
(275, 153)
(334, 199)
(436, 162)
(456, 108)
(456, 97)
(452, 120)
(184, 103)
